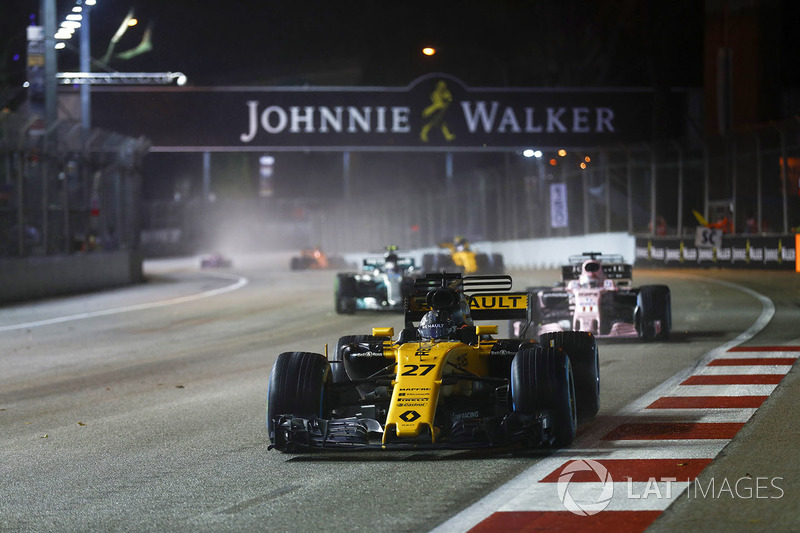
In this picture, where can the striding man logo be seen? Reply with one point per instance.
(441, 98)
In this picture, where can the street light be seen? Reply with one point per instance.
(430, 51)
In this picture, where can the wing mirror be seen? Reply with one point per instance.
(485, 330)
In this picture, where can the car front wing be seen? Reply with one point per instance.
(295, 434)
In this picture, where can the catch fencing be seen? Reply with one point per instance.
(63, 194)
(745, 183)
(66, 191)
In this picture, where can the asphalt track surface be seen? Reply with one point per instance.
(143, 408)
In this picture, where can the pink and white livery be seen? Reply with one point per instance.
(595, 295)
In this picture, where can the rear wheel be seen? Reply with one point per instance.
(483, 264)
(581, 347)
(428, 262)
(654, 320)
(438, 262)
(498, 264)
(541, 380)
(298, 385)
(345, 294)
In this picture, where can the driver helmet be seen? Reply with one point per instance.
(390, 262)
(437, 324)
(590, 275)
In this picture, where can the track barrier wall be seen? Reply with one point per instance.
(32, 278)
(776, 252)
(753, 252)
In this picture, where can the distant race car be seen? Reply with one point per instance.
(380, 286)
(461, 257)
(595, 295)
(315, 258)
(215, 261)
(443, 381)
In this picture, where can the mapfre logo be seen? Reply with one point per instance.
(584, 499)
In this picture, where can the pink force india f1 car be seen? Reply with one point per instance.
(595, 295)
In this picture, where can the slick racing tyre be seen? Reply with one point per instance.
(483, 264)
(654, 312)
(500, 358)
(498, 264)
(438, 262)
(542, 380)
(345, 294)
(298, 386)
(581, 347)
(489, 263)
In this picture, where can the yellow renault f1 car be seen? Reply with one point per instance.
(461, 257)
(443, 381)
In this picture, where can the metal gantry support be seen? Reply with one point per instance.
(120, 78)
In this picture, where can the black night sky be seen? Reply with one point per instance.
(514, 42)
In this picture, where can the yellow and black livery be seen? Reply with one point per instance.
(442, 381)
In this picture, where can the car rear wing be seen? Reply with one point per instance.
(373, 263)
(615, 271)
(599, 256)
(489, 297)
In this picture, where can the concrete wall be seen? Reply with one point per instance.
(30, 278)
(538, 254)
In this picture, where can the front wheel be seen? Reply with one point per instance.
(542, 380)
(298, 386)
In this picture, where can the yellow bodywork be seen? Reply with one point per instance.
(423, 365)
(464, 258)
(418, 383)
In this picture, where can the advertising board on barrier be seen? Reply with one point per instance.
(744, 251)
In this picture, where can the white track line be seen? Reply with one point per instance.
(240, 282)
